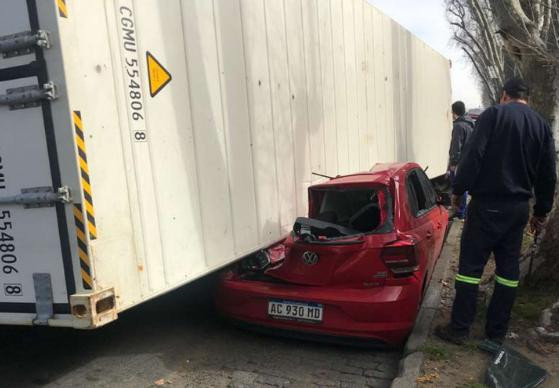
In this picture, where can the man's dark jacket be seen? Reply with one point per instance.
(461, 131)
(510, 154)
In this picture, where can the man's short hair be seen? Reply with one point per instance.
(459, 108)
(517, 88)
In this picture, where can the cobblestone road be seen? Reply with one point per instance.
(177, 341)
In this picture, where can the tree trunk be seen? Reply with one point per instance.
(543, 79)
(548, 252)
(544, 99)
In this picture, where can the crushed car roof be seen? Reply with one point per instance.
(381, 173)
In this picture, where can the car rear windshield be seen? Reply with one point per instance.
(364, 210)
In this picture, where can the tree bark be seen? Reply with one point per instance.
(543, 79)
(544, 99)
(545, 102)
(548, 252)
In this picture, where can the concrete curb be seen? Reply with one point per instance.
(410, 368)
(410, 365)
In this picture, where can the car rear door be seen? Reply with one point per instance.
(422, 221)
(438, 215)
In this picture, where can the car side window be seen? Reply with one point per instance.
(420, 199)
(428, 189)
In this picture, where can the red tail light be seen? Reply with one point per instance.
(400, 257)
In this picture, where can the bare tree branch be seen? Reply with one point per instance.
(481, 75)
(505, 38)
(486, 33)
(475, 33)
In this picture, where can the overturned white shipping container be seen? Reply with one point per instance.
(144, 144)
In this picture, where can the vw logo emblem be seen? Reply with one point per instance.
(310, 258)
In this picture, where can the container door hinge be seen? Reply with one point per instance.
(38, 197)
(23, 43)
(28, 96)
(43, 298)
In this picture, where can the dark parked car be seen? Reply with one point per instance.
(475, 113)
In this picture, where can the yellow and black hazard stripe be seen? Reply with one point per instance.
(84, 214)
(85, 264)
(62, 8)
(84, 173)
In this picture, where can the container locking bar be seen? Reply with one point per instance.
(38, 197)
(28, 96)
(23, 43)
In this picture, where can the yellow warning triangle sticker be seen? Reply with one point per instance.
(158, 75)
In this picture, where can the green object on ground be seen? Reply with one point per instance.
(510, 369)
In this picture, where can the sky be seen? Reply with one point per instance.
(427, 20)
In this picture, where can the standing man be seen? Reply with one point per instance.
(462, 128)
(510, 155)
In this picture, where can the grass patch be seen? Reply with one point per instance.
(436, 352)
(532, 299)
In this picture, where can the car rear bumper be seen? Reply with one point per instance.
(377, 315)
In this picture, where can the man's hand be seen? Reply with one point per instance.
(537, 224)
(456, 202)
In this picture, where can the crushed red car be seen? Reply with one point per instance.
(354, 270)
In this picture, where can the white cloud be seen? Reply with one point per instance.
(427, 20)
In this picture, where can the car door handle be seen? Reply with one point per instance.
(429, 234)
(439, 225)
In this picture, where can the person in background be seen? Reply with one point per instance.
(510, 157)
(461, 130)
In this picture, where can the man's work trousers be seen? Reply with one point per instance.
(462, 209)
(491, 227)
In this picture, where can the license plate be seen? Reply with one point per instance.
(301, 311)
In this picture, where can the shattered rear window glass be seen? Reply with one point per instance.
(358, 209)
